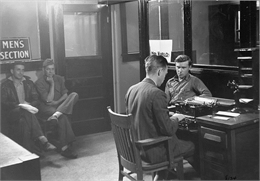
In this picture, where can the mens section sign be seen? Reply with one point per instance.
(12, 49)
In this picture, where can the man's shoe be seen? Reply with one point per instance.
(48, 146)
(69, 154)
(53, 118)
(161, 175)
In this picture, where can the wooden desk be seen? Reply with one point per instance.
(229, 149)
(17, 163)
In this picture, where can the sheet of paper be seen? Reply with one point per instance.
(245, 100)
(221, 117)
(225, 113)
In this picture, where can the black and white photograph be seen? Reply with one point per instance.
(144, 90)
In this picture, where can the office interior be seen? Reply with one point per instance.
(99, 46)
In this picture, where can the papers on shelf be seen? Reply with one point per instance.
(229, 114)
(245, 100)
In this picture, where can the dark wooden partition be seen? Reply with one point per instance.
(215, 77)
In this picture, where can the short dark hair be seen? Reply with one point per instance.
(183, 58)
(12, 65)
(153, 62)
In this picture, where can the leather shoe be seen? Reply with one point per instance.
(69, 154)
(53, 118)
(48, 146)
(160, 175)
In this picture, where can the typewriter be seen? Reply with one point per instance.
(193, 107)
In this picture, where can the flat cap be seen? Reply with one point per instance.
(16, 63)
(47, 62)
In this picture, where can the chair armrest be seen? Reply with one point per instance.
(151, 141)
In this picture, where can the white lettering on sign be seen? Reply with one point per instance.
(15, 49)
(13, 44)
(14, 55)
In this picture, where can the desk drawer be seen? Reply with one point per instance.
(212, 171)
(213, 136)
(215, 154)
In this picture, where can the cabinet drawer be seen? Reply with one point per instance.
(215, 155)
(213, 171)
(213, 136)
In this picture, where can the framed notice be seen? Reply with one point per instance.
(13, 49)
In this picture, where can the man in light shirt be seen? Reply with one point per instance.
(184, 85)
(57, 104)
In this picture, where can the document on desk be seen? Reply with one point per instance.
(226, 113)
(245, 100)
(221, 117)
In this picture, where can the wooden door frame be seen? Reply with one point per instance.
(59, 48)
(58, 39)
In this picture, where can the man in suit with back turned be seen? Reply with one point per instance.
(148, 105)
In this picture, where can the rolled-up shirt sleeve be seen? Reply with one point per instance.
(201, 88)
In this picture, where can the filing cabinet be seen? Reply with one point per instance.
(229, 149)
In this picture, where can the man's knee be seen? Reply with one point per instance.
(63, 119)
(74, 96)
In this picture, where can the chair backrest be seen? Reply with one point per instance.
(122, 127)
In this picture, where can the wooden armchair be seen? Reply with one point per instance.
(128, 150)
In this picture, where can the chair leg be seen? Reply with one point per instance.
(160, 175)
(154, 176)
(120, 176)
(179, 170)
(139, 176)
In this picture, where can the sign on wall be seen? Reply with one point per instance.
(12, 49)
(161, 47)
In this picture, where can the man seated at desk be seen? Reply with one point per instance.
(148, 105)
(184, 85)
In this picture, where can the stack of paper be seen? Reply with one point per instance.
(224, 115)
(245, 100)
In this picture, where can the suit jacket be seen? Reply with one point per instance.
(148, 105)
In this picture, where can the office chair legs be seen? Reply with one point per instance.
(179, 171)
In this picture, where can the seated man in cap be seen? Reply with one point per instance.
(57, 104)
(19, 99)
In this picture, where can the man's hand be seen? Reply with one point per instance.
(171, 113)
(52, 103)
(50, 80)
(177, 116)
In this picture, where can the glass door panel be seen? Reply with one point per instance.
(81, 35)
